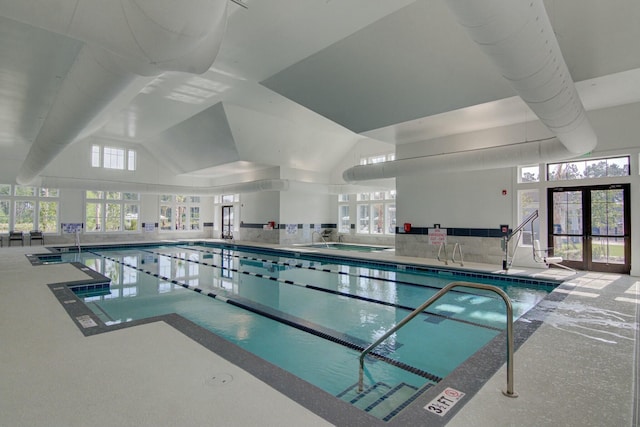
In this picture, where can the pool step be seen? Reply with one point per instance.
(380, 399)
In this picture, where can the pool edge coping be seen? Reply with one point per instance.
(466, 377)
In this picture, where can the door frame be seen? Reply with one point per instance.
(587, 232)
(229, 234)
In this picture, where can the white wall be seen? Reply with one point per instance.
(466, 200)
(71, 206)
(75, 162)
(259, 208)
(307, 208)
(475, 200)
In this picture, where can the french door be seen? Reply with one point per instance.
(227, 222)
(589, 227)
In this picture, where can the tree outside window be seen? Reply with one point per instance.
(130, 217)
(377, 224)
(113, 217)
(391, 218)
(195, 217)
(363, 218)
(378, 216)
(4, 216)
(48, 217)
(344, 223)
(25, 215)
(166, 218)
(179, 212)
(111, 211)
(93, 215)
(588, 169)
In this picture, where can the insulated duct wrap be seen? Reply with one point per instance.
(152, 36)
(147, 188)
(467, 161)
(123, 39)
(93, 81)
(518, 38)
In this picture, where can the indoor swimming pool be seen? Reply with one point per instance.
(312, 315)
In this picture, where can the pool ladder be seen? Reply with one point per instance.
(321, 237)
(457, 248)
(509, 392)
(78, 240)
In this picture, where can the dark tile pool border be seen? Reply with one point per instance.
(469, 377)
(383, 264)
(347, 259)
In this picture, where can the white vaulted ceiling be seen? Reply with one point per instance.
(297, 84)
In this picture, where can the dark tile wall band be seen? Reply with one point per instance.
(283, 226)
(465, 232)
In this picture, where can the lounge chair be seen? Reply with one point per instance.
(15, 236)
(36, 235)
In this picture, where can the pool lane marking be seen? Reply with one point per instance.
(327, 270)
(284, 320)
(329, 291)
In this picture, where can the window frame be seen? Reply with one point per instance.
(113, 157)
(180, 208)
(111, 208)
(553, 176)
(380, 204)
(220, 200)
(13, 196)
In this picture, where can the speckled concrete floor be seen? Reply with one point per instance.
(578, 369)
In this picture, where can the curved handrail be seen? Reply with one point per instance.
(453, 256)
(443, 245)
(509, 391)
(318, 233)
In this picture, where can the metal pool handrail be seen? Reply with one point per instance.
(509, 392)
(318, 233)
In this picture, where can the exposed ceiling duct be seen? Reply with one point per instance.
(518, 38)
(93, 81)
(139, 187)
(529, 152)
(275, 184)
(151, 36)
(124, 39)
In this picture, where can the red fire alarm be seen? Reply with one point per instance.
(504, 192)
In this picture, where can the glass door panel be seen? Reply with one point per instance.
(568, 241)
(227, 222)
(589, 227)
(608, 226)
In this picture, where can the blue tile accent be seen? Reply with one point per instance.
(453, 231)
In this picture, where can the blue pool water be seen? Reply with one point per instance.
(311, 317)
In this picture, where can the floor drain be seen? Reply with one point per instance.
(218, 380)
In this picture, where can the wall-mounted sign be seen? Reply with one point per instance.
(292, 228)
(71, 227)
(437, 236)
